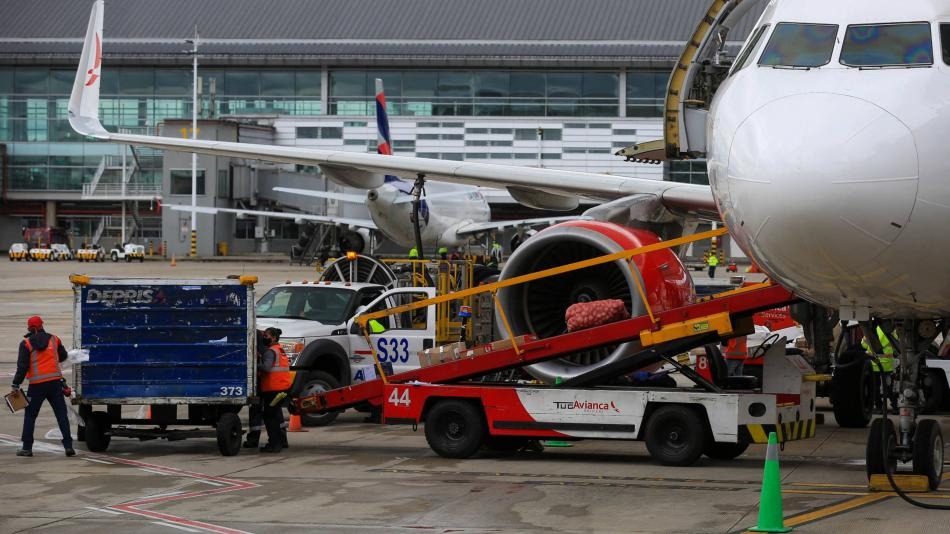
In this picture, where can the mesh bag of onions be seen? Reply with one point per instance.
(595, 313)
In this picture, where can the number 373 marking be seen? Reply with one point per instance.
(231, 391)
(395, 398)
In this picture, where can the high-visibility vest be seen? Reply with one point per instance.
(713, 260)
(736, 349)
(886, 359)
(279, 377)
(376, 327)
(44, 364)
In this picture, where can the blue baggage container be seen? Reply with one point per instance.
(164, 343)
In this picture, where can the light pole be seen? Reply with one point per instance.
(194, 135)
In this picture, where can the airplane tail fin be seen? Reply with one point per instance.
(84, 100)
(384, 143)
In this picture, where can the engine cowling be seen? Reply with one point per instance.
(538, 307)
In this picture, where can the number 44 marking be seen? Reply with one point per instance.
(396, 399)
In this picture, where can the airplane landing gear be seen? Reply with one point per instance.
(912, 440)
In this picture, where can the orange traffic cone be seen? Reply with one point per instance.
(295, 425)
(173, 263)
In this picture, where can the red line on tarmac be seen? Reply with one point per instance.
(133, 507)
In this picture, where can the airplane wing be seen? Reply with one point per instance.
(539, 187)
(476, 228)
(342, 197)
(324, 219)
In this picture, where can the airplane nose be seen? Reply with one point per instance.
(819, 185)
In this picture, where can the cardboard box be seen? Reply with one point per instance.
(507, 343)
(442, 354)
(16, 401)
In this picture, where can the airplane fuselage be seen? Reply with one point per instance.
(834, 178)
(439, 217)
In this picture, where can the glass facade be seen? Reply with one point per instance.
(46, 155)
(477, 93)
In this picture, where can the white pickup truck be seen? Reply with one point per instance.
(128, 252)
(325, 345)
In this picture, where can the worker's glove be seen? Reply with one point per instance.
(15, 387)
(67, 391)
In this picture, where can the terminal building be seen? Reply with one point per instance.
(553, 83)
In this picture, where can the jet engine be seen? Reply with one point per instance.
(538, 307)
(354, 240)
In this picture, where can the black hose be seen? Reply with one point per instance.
(887, 469)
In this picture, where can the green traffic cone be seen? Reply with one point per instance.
(557, 442)
(770, 500)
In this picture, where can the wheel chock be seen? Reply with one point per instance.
(906, 483)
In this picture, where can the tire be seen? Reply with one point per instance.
(874, 454)
(455, 429)
(928, 452)
(229, 434)
(98, 432)
(128, 259)
(142, 260)
(934, 390)
(853, 391)
(725, 451)
(675, 435)
(318, 381)
(115, 257)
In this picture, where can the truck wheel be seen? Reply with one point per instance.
(98, 432)
(318, 382)
(852, 394)
(115, 257)
(142, 259)
(928, 451)
(725, 451)
(229, 434)
(455, 429)
(675, 435)
(877, 444)
(128, 259)
(934, 390)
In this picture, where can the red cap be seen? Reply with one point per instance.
(34, 322)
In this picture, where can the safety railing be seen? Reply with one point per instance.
(624, 255)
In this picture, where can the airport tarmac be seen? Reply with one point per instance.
(357, 477)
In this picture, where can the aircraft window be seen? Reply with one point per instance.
(945, 42)
(747, 52)
(800, 45)
(882, 45)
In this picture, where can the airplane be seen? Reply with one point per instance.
(824, 146)
(449, 216)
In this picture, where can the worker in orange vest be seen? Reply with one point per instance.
(275, 378)
(735, 354)
(38, 362)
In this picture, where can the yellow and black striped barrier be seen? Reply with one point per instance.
(792, 431)
(194, 244)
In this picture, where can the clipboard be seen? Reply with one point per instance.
(16, 401)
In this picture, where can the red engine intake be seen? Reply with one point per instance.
(538, 307)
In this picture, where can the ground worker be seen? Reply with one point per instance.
(275, 382)
(712, 261)
(495, 254)
(413, 253)
(38, 361)
(887, 358)
(735, 353)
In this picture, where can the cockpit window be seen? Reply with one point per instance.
(743, 59)
(945, 42)
(884, 45)
(800, 45)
